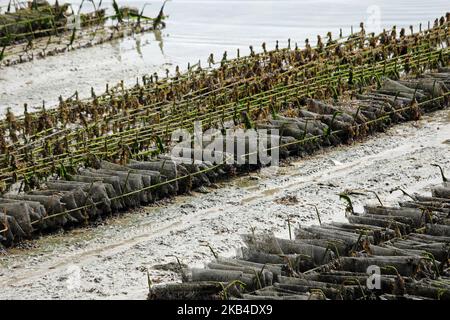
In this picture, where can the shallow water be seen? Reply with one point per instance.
(196, 28)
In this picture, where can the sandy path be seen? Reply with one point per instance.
(112, 260)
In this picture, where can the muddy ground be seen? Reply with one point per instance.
(111, 260)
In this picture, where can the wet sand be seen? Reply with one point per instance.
(113, 259)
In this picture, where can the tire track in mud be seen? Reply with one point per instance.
(115, 257)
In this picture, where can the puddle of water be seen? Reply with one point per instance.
(250, 199)
(265, 193)
(271, 192)
(247, 183)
